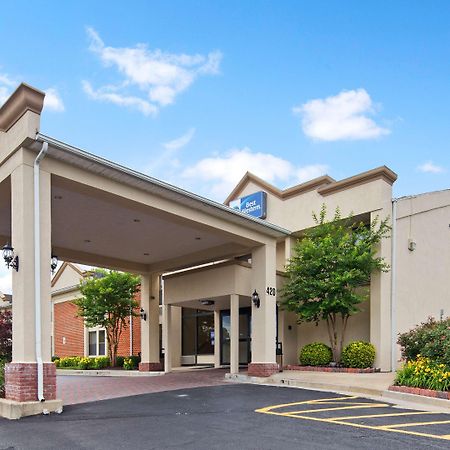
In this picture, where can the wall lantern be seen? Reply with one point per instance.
(255, 299)
(54, 263)
(143, 314)
(11, 260)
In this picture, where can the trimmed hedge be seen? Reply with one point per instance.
(315, 354)
(358, 355)
(83, 363)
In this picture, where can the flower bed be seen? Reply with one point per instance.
(330, 369)
(420, 391)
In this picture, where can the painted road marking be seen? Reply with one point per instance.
(371, 416)
(393, 428)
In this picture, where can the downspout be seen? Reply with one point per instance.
(37, 271)
(394, 285)
(131, 334)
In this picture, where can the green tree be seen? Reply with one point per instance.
(107, 300)
(331, 261)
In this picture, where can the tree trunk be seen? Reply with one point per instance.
(333, 336)
(344, 318)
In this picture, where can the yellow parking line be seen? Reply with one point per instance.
(395, 428)
(372, 405)
(370, 416)
(307, 402)
(415, 424)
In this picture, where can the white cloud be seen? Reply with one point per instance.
(53, 100)
(181, 141)
(340, 117)
(6, 87)
(217, 176)
(430, 167)
(108, 94)
(160, 75)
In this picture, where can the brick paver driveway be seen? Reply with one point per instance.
(81, 389)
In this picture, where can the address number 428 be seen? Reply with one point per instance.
(271, 291)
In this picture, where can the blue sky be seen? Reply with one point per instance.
(197, 92)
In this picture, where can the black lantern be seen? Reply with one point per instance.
(11, 260)
(54, 263)
(255, 299)
(143, 314)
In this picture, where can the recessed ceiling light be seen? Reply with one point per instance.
(136, 220)
(87, 241)
(207, 302)
(57, 197)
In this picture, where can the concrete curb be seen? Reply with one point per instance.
(106, 373)
(11, 409)
(400, 399)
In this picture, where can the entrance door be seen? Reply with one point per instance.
(244, 336)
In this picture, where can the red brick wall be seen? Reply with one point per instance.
(124, 342)
(68, 325)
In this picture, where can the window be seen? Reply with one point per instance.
(97, 343)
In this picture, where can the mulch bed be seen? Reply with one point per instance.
(420, 391)
(330, 369)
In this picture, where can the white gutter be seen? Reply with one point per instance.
(37, 271)
(131, 334)
(394, 285)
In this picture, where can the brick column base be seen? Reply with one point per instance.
(150, 367)
(21, 382)
(262, 369)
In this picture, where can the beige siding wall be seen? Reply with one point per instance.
(423, 275)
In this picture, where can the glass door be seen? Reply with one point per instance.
(244, 336)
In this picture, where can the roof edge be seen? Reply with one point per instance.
(382, 172)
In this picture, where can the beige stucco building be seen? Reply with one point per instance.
(211, 258)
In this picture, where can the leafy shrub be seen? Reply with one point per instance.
(136, 360)
(101, 362)
(359, 355)
(128, 364)
(55, 358)
(2, 378)
(315, 354)
(425, 374)
(69, 361)
(430, 339)
(6, 335)
(85, 363)
(120, 360)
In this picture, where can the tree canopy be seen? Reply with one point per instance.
(107, 301)
(331, 261)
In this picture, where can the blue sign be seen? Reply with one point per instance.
(254, 205)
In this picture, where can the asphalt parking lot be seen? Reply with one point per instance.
(232, 416)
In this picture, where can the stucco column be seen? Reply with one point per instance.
(380, 301)
(216, 339)
(167, 325)
(234, 331)
(264, 318)
(150, 328)
(21, 374)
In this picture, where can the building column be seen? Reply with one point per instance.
(216, 339)
(380, 301)
(22, 373)
(150, 360)
(167, 325)
(264, 318)
(234, 331)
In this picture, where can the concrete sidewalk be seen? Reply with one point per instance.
(371, 385)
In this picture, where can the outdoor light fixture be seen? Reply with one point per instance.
(10, 260)
(255, 299)
(143, 314)
(207, 302)
(54, 263)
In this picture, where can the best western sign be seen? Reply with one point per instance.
(254, 204)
